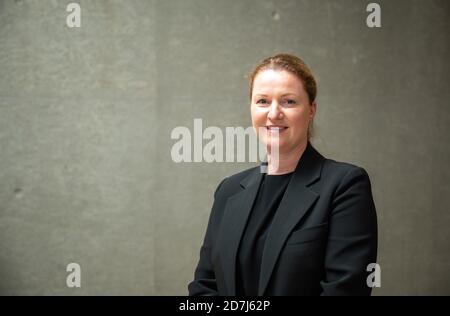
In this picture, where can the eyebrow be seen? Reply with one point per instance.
(283, 95)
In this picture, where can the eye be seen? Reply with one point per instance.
(290, 102)
(262, 101)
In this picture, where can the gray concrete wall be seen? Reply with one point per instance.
(86, 114)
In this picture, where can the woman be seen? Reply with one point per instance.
(308, 226)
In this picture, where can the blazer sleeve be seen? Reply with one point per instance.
(352, 240)
(204, 283)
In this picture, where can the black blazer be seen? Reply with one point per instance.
(322, 237)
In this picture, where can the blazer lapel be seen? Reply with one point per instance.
(296, 201)
(234, 220)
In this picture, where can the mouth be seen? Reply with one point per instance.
(278, 128)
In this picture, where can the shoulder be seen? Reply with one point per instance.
(231, 184)
(340, 169)
(345, 178)
(330, 171)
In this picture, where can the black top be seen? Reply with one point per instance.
(248, 263)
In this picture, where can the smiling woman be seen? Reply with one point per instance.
(279, 102)
(308, 226)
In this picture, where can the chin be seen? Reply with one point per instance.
(281, 147)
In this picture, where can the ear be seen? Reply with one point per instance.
(313, 108)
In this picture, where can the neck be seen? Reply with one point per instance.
(286, 162)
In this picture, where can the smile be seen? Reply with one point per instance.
(276, 128)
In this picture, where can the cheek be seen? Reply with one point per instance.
(301, 117)
(300, 121)
(258, 116)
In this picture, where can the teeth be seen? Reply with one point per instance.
(276, 127)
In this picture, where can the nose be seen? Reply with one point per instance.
(275, 111)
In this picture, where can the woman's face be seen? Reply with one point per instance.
(280, 102)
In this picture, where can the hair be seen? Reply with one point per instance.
(294, 65)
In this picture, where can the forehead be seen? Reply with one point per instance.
(270, 79)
